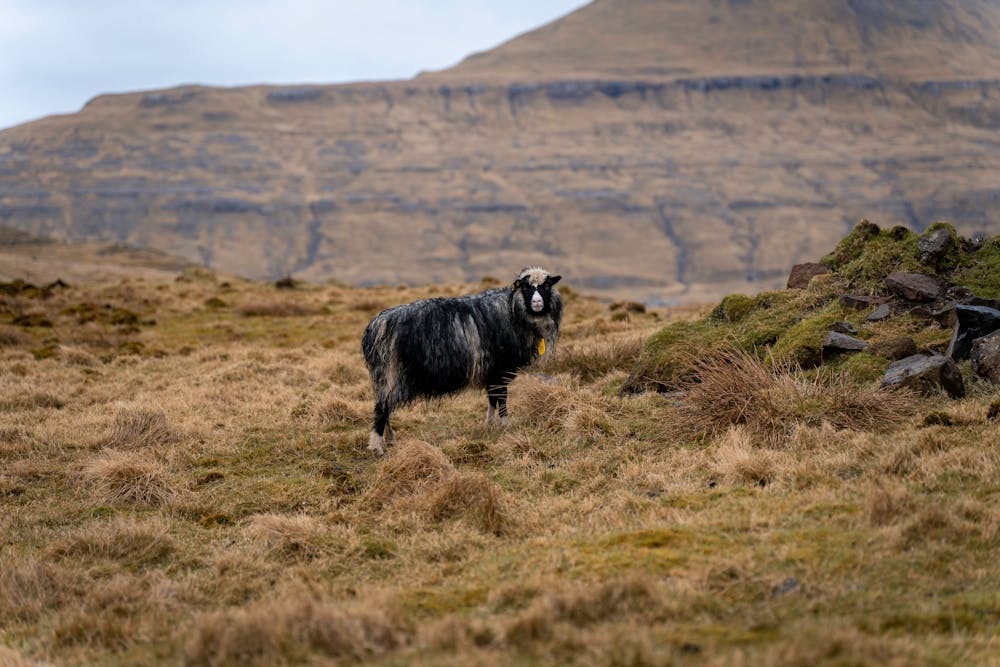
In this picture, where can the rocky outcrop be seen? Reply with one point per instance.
(801, 274)
(972, 322)
(914, 286)
(926, 374)
(985, 357)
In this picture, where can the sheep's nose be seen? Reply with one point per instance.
(536, 302)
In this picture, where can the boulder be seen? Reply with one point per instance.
(801, 274)
(914, 286)
(926, 374)
(861, 302)
(839, 342)
(985, 356)
(844, 328)
(972, 322)
(882, 312)
(894, 348)
(933, 245)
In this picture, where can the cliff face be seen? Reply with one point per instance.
(593, 145)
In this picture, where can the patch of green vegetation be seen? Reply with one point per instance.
(753, 325)
(802, 343)
(868, 254)
(982, 275)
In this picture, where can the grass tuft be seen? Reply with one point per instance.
(137, 426)
(130, 477)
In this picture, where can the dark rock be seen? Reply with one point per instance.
(844, 328)
(985, 356)
(914, 286)
(839, 342)
(993, 413)
(926, 374)
(933, 245)
(861, 302)
(286, 283)
(959, 294)
(942, 314)
(972, 322)
(883, 312)
(894, 348)
(801, 274)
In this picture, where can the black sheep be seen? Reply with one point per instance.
(439, 346)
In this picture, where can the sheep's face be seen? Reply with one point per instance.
(535, 287)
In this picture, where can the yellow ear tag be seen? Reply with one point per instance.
(541, 346)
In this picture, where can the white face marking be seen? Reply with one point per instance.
(536, 302)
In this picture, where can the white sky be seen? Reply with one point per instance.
(57, 54)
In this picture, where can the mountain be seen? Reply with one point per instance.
(663, 151)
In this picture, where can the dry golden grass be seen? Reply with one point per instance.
(734, 387)
(206, 498)
(129, 477)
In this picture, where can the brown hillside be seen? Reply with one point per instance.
(655, 150)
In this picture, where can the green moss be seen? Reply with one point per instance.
(982, 274)
(862, 367)
(867, 255)
(733, 308)
(802, 343)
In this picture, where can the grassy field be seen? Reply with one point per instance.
(183, 479)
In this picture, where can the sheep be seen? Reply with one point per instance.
(435, 347)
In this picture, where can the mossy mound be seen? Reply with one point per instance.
(789, 326)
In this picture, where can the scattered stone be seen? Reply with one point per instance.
(801, 274)
(839, 342)
(883, 312)
(914, 286)
(945, 316)
(993, 413)
(286, 283)
(844, 328)
(894, 349)
(972, 322)
(926, 374)
(985, 356)
(933, 245)
(862, 302)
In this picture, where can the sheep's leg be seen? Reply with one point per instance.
(376, 439)
(502, 405)
(497, 393)
(491, 411)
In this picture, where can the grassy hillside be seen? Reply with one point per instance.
(184, 480)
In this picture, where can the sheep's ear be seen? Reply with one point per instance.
(518, 282)
(552, 280)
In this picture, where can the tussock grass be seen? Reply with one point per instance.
(285, 631)
(474, 496)
(735, 387)
(592, 360)
(412, 466)
(134, 543)
(296, 538)
(135, 426)
(130, 477)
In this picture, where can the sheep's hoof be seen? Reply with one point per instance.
(375, 444)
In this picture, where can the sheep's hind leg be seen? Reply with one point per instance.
(380, 429)
(497, 412)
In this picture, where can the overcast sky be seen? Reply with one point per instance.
(57, 54)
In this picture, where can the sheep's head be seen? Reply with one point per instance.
(535, 288)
